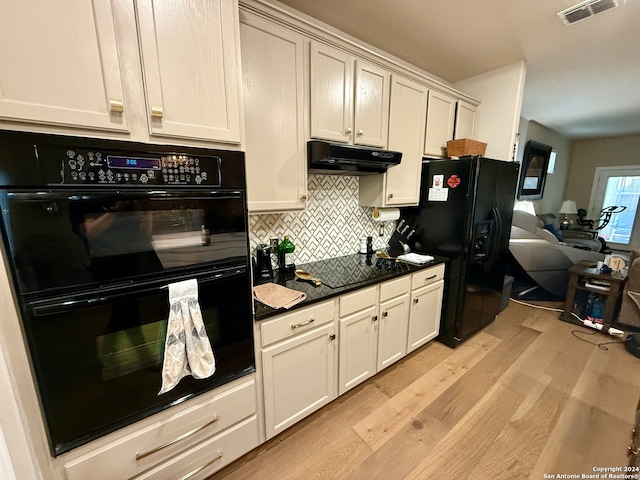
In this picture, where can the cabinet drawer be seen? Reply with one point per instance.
(395, 288)
(427, 276)
(357, 300)
(132, 454)
(290, 324)
(209, 456)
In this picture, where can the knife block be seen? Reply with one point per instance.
(397, 243)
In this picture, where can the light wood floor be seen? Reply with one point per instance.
(521, 399)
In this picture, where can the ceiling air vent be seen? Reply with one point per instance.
(586, 9)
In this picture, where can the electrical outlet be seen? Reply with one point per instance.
(274, 242)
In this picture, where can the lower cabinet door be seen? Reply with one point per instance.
(424, 318)
(299, 377)
(392, 331)
(358, 343)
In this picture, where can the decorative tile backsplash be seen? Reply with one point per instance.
(331, 225)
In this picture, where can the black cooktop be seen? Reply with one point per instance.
(354, 269)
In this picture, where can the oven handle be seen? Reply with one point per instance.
(66, 305)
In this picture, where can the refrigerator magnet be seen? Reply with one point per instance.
(453, 181)
(438, 181)
(438, 194)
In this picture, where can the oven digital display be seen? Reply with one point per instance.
(133, 162)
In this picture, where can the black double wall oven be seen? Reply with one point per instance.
(94, 232)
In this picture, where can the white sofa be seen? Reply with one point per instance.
(542, 256)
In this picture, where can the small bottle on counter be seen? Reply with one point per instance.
(285, 260)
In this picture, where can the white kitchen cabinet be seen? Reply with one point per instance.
(373, 330)
(67, 63)
(349, 98)
(300, 369)
(207, 433)
(190, 67)
(400, 185)
(441, 111)
(393, 324)
(273, 80)
(465, 120)
(427, 288)
(358, 337)
(60, 64)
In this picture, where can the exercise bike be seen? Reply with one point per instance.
(604, 219)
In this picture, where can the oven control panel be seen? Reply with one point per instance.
(73, 166)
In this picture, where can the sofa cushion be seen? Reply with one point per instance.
(550, 219)
(556, 232)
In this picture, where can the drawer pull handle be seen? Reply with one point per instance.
(303, 324)
(430, 278)
(199, 469)
(140, 456)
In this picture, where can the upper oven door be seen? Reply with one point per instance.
(61, 240)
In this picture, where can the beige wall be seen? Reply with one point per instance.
(500, 92)
(554, 190)
(589, 154)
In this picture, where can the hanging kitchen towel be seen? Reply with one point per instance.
(277, 296)
(187, 349)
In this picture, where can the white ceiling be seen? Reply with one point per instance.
(583, 80)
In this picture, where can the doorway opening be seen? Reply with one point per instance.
(617, 186)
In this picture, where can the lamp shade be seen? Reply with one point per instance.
(569, 207)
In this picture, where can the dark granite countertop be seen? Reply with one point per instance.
(339, 275)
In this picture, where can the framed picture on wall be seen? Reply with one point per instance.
(533, 171)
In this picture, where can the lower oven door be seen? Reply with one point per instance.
(98, 358)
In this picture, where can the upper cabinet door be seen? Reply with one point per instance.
(406, 131)
(273, 80)
(371, 105)
(331, 94)
(441, 111)
(59, 64)
(189, 58)
(465, 120)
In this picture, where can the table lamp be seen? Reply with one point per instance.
(568, 208)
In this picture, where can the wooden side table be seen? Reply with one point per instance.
(579, 275)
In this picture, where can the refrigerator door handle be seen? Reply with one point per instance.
(496, 225)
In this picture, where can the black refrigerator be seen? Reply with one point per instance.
(465, 213)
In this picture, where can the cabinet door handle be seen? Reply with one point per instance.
(416, 300)
(374, 318)
(385, 314)
(332, 336)
(140, 456)
(157, 112)
(631, 451)
(116, 106)
(303, 198)
(348, 131)
(199, 469)
(302, 324)
(391, 195)
(430, 278)
(360, 132)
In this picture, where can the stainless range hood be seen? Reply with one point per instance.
(324, 158)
